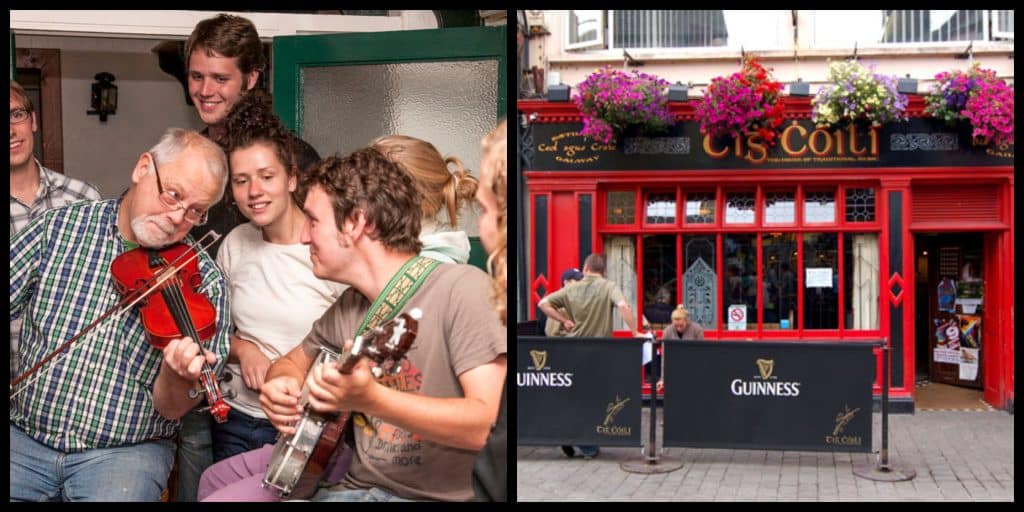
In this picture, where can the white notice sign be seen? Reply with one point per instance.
(738, 317)
(818, 278)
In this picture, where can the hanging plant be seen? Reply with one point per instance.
(743, 102)
(855, 93)
(611, 100)
(978, 97)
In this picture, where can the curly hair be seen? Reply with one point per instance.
(438, 185)
(252, 121)
(366, 180)
(495, 168)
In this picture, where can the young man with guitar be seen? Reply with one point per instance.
(417, 432)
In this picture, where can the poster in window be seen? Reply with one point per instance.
(947, 295)
(947, 341)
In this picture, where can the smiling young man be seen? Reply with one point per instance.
(98, 424)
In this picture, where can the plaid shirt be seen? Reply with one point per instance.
(55, 190)
(99, 394)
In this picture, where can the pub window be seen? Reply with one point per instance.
(861, 280)
(620, 268)
(621, 207)
(820, 206)
(700, 280)
(860, 205)
(778, 253)
(700, 208)
(821, 285)
(739, 284)
(659, 275)
(739, 208)
(585, 29)
(779, 208)
(661, 208)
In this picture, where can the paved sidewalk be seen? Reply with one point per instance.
(958, 456)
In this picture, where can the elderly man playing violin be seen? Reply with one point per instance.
(96, 422)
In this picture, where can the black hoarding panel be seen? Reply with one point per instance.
(578, 391)
(769, 395)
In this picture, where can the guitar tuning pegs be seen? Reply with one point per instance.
(193, 394)
(226, 377)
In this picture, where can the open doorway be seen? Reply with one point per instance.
(949, 331)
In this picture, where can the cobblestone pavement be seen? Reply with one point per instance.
(958, 456)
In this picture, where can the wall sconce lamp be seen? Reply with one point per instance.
(104, 96)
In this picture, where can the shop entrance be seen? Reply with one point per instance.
(949, 331)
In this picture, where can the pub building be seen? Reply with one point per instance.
(902, 232)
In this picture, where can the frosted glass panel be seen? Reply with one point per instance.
(450, 104)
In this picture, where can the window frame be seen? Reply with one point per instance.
(598, 42)
(719, 229)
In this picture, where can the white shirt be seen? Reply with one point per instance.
(275, 298)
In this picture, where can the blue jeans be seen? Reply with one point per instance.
(240, 434)
(125, 473)
(372, 494)
(195, 452)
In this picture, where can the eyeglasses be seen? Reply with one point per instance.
(19, 115)
(172, 200)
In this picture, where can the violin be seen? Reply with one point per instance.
(178, 310)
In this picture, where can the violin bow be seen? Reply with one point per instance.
(124, 305)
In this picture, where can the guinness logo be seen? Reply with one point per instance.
(765, 366)
(539, 358)
(843, 418)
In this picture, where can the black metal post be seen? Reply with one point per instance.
(652, 448)
(884, 462)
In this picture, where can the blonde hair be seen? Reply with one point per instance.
(436, 184)
(495, 166)
(680, 313)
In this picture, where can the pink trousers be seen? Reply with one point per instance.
(240, 478)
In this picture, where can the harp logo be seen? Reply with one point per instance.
(765, 366)
(539, 358)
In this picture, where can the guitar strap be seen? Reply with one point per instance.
(402, 286)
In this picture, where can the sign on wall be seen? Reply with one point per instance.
(920, 142)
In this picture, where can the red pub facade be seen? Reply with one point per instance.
(842, 233)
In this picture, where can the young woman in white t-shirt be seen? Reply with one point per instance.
(275, 297)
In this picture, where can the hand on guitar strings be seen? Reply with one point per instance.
(182, 357)
(333, 391)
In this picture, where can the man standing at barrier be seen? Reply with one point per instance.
(681, 329)
(589, 307)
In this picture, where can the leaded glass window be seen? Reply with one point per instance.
(779, 208)
(621, 207)
(739, 208)
(860, 205)
(820, 206)
(700, 208)
(661, 208)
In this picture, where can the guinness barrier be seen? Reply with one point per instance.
(578, 391)
(768, 395)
